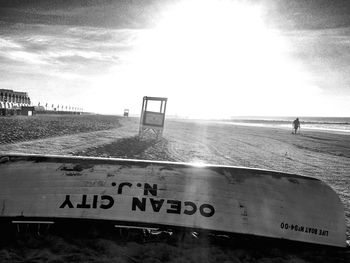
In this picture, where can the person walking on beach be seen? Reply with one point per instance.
(296, 125)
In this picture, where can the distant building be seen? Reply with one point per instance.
(11, 101)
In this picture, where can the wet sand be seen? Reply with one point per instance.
(318, 154)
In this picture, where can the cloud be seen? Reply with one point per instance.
(60, 46)
(97, 13)
(50, 61)
(291, 14)
(325, 54)
(306, 14)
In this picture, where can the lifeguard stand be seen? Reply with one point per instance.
(152, 121)
(126, 112)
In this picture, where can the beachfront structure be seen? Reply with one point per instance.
(152, 120)
(126, 112)
(10, 99)
(19, 103)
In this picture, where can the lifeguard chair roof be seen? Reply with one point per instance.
(155, 98)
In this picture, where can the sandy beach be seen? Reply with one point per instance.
(312, 153)
(322, 155)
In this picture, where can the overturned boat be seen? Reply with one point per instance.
(221, 199)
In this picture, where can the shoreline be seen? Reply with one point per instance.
(284, 127)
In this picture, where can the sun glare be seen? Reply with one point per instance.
(219, 54)
(198, 163)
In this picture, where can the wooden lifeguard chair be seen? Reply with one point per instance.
(152, 121)
(126, 112)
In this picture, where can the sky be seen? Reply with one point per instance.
(210, 58)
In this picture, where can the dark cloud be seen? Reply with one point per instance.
(291, 14)
(308, 14)
(325, 54)
(100, 13)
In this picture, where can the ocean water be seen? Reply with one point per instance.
(329, 124)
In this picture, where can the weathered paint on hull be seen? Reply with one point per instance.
(216, 198)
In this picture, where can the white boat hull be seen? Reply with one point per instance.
(215, 198)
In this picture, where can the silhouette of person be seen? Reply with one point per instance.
(296, 125)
